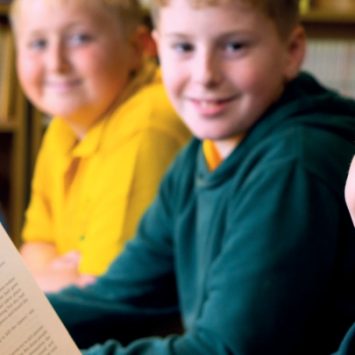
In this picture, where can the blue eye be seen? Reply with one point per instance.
(234, 46)
(183, 47)
(78, 39)
(38, 44)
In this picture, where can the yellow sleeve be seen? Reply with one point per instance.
(38, 224)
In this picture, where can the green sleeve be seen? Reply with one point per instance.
(256, 301)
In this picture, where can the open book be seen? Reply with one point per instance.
(28, 323)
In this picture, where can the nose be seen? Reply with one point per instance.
(207, 70)
(57, 58)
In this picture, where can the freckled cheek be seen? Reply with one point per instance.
(174, 81)
(101, 74)
(171, 92)
(249, 80)
(30, 73)
(174, 94)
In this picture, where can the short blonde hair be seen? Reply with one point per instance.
(284, 13)
(128, 12)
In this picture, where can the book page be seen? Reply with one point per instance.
(28, 323)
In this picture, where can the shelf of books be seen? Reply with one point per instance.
(13, 133)
(4, 7)
(330, 28)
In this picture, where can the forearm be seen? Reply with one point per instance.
(52, 271)
(91, 320)
(38, 255)
(53, 280)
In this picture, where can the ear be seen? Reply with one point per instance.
(141, 46)
(144, 42)
(295, 52)
(135, 49)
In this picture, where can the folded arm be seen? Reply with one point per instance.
(51, 270)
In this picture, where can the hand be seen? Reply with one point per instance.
(67, 261)
(52, 271)
(62, 271)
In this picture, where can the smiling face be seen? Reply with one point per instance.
(74, 59)
(223, 66)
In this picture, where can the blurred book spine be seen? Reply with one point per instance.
(7, 73)
(332, 62)
(305, 6)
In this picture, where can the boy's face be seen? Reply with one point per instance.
(350, 191)
(73, 59)
(223, 66)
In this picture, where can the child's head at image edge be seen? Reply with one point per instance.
(225, 62)
(76, 57)
(350, 191)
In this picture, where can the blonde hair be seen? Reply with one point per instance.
(284, 13)
(128, 12)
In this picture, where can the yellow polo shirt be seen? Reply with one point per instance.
(89, 195)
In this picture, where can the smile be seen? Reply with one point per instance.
(211, 107)
(62, 86)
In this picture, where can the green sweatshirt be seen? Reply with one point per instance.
(257, 257)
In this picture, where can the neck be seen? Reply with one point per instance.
(226, 146)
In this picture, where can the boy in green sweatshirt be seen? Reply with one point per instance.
(248, 242)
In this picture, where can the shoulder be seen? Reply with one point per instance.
(308, 144)
(311, 125)
(153, 102)
(148, 112)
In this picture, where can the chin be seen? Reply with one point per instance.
(210, 134)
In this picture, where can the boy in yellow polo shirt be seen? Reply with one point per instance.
(112, 137)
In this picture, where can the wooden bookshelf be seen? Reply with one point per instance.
(331, 45)
(4, 9)
(13, 136)
(326, 24)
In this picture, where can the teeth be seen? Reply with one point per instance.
(207, 104)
